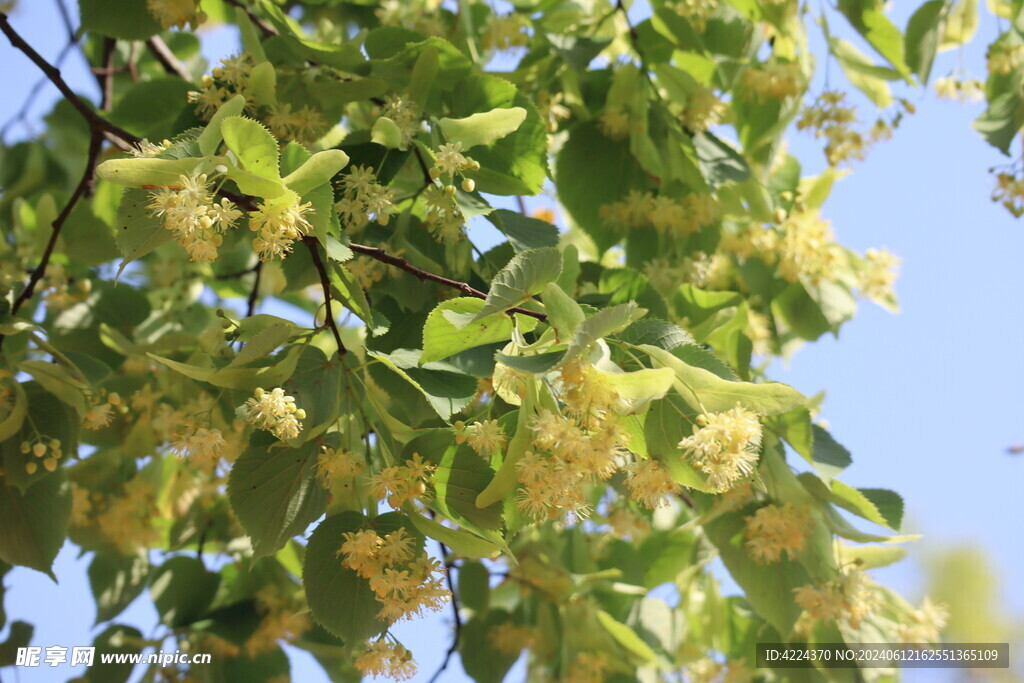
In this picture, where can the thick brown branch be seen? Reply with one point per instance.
(266, 29)
(158, 48)
(397, 262)
(95, 144)
(96, 122)
(325, 282)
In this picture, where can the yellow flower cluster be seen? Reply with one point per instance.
(485, 437)
(847, 599)
(878, 274)
(58, 291)
(566, 458)
(192, 214)
(830, 117)
(274, 412)
(48, 450)
(303, 125)
(176, 13)
(406, 581)
(587, 392)
(775, 530)
(614, 123)
(101, 410)
(649, 483)
(673, 217)
(963, 90)
(505, 32)
(278, 225)
(444, 217)
(451, 161)
(551, 109)
(364, 198)
(707, 670)
(703, 110)
(625, 523)
(1005, 60)
(367, 270)
(280, 619)
(588, 667)
(228, 79)
(400, 483)
(147, 150)
(510, 638)
(406, 114)
(924, 624)
(334, 464)
(697, 12)
(774, 80)
(725, 446)
(1010, 192)
(806, 247)
(202, 446)
(127, 521)
(382, 658)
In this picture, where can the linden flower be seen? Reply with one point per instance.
(649, 483)
(275, 412)
(382, 658)
(176, 13)
(846, 599)
(703, 110)
(451, 160)
(505, 32)
(204, 446)
(725, 446)
(924, 625)
(401, 483)
(304, 125)
(774, 530)
(510, 638)
(364, 198)
(338, 463)
(879, 273)
(485, 437)
(774, 80)
(278, 225)
(588, 668)
(614, 124)
(444, 216)
(192, 214)
(406, 114)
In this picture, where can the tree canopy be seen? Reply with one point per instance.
(254, 363)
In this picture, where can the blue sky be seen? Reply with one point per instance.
(927, 400)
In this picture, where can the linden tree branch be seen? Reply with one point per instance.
(325, 282)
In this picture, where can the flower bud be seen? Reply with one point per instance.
(468, 184)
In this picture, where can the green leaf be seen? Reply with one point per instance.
(871, 556)
(150, 108)
(1000, 123)
(961, 24)
(881, 506)
(447, 389)
(921, 39)
(147, 172)
(117, 639)
(718, 161)
(262, 85)
(253, 145)
(507, 479)
(862, 74)
(828, 456)
(870, 21)
(480, 660)
(768, 588)
(660, 333)
(11, 424)
(317, 170)
(340, 600)
(627, 638)
(211, 137)
(706, 392)
(274, 491)
(604, 323)
(182, 590)
(523, 232)
(448, 330)
(517, 162)
(460, 541)
(474, 586)
(19, 636)
(592, 171)
(523, 277)
(138, 232)
(386, 133)
(483, 128)
(116, 580)
(122, 19)
(35, 522)
(460, 477)
(537, 364)
(564, 314)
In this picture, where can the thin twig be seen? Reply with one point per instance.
(522, 204)
(455, 612)
(325, 282)
(105, 75)
(254, 294)
(96, 122)
(163, 54)
(95, 144)
(263, 26)
(427, 178)
(398, 262)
